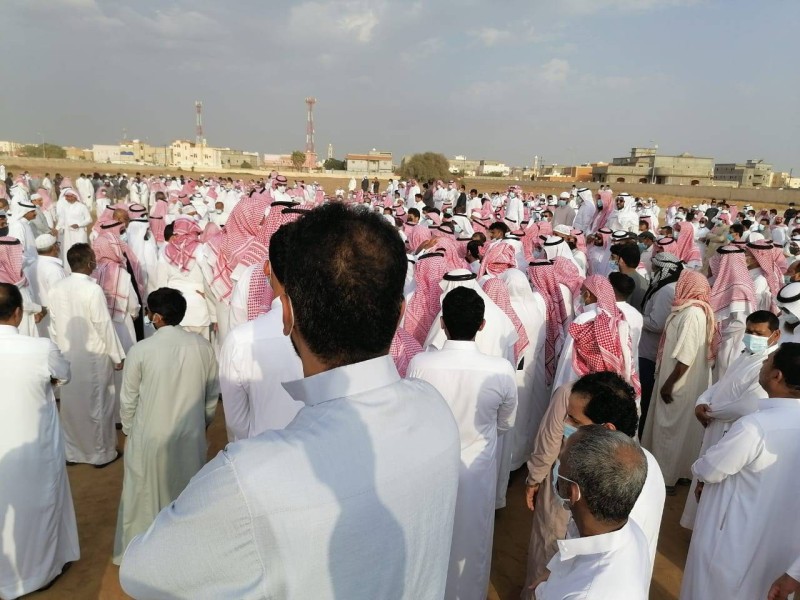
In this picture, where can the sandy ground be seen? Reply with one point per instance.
(96, 493)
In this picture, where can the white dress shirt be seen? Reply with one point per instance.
(353, 499)
(610, 566)
(635, 322)
(255, 360)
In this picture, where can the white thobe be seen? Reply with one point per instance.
(482, 393)
(585, 216)
(164, 414)
(599, 567)
(30, 308)
(200, 311)
(123, 327)
(763, 295)
(370, 457)
(69, 215)
(86, 191)
(256, 359)
(145, 251)
(47, 271)
(732, 321)
(671, 431)
(38, 527)
(240, 296)
(635, 323)
(514, 212)
(747, 526)
(735, 395)
(82, 329)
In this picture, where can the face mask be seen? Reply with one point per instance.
(761, 228)
(562, 203)
(790, 318)
(282, 188)
(512, 195)
(457, 229)
(642, 247)
(755, 344)
(569, 430)
(730, 237)
(613, 267)
(428, 221)
(565, 503)
(599, 204)
(219, 211)
(124, 237)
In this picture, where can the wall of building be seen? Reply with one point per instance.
(106, 153)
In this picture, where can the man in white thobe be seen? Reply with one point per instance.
(256, 359)
(73, 219)
(37, 518)
(482, 393)
(737, 393)
(368, 469)
(86, 190)
(164, 414)
(19, 226)
(747, 528)
(47, 271)
(81, 327)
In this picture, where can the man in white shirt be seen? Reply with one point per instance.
(47, 271)
(256, 359)
(482, 393)
(600, 475)
(73, 219)
(355, 498)
(747, 528)
(40, 535)
(623, 288)
(19, 226)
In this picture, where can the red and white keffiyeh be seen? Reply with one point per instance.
(733, 282)
(598, 343)
(685, 248)
(497, 291)
(764, 253)
(417, 234)
(109, 252)
(567, 273)
(11, 260)
(182, 246)
(498, 258)
(693, 290)
(404, 347)
(541, 274)
(425, 304)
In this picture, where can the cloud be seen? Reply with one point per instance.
(555, 71)
(490, 36)
(586, 7)
(351, 20)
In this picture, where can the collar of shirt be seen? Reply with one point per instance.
(8, 330)
(593, 544)
(470, 346)
(767, 403)
(52, 259)
(342, 382)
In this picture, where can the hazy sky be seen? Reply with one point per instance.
(568, 80)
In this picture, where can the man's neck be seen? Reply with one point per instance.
(588, 526)
(625, 269)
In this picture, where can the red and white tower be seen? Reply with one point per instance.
(311, 153)
(198, 107)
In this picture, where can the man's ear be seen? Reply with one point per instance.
(267, 269)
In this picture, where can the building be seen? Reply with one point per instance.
(75, 153)
(566, 173)
(753, 173)
(10, 147)
(785, 181)
(106, 153)
(645, 165)
(372, 163)
(277, 161)
(238, 159)
(189, 155)
(492, 167)
(461, 165)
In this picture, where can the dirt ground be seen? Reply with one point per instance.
(96, 493)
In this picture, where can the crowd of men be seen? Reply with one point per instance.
(386, 358)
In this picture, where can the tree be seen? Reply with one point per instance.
(422, 167)
(334, 164)
(298, 159)
(246, 165)
(43, 151)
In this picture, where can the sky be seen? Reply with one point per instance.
(570, 81)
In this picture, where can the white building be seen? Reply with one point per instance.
(106, 153)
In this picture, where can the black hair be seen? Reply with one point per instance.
(10, 300)
(80, 256)
(474, 248)
(168, 231)
(501, 226)
(787, 360)
(414, 211)
(623, 284)
(764, 316)
(278, 250)
(462, 311)
(628, 253)
(345, 282)
(169, 303)
(611, 399)
(737, 228)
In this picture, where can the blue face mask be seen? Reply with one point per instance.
(599, 204)
(642, 247)
(565, 503)
(569, 430)
(730, 237)
(613, 267)
(755, 344)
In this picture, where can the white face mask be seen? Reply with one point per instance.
(124, 237)
(219, 211)
(282, 189)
